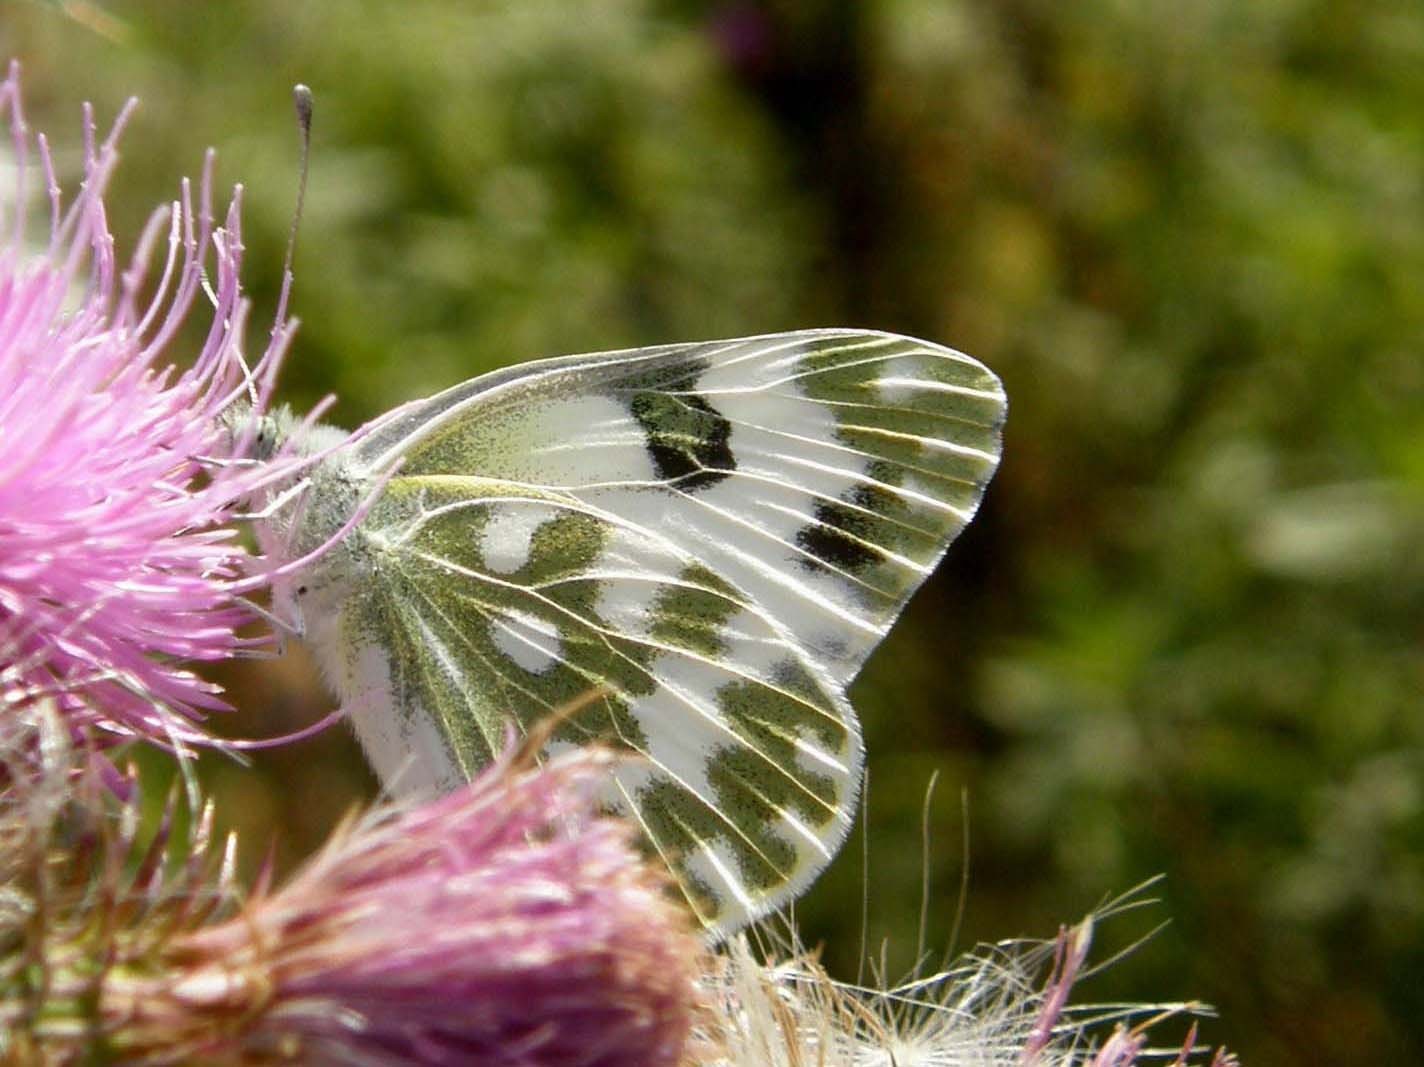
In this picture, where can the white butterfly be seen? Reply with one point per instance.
(708, 538)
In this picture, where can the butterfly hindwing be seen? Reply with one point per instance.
(702, 542)
(501, 602)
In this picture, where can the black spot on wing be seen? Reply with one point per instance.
(841, 531)
(688, 439)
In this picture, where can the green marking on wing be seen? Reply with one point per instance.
(765, 855)
(693, 615)
(678, 825)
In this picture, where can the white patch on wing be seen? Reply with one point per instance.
(406, 749)
(626, 605)
(901, 378)
(644, 549)
(576, 441)
(630, 777)
(898, 386)
(509, 533)
(753, 645)
(531, 642)
(681, 722)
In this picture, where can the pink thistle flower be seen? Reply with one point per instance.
(118, 562)
(505, 924)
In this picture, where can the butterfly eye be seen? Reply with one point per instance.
(301, 590)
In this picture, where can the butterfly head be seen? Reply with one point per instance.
(279, 431)
(256, 436)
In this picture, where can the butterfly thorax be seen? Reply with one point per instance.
(304, 512)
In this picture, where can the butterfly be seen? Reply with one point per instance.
(697, 545)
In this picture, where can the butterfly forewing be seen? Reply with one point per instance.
(823, 472)
(705, 539)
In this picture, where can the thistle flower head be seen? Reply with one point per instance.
(118, 566)
(503, 924)
(507, 923)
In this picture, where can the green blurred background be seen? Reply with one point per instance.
(1185, 634)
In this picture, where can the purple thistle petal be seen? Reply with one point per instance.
(118, 562)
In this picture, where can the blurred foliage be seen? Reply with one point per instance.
(1185, 635)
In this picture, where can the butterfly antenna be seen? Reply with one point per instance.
(306, 732)
(284, 627)
(302, 100)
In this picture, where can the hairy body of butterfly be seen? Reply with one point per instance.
(702, 542)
